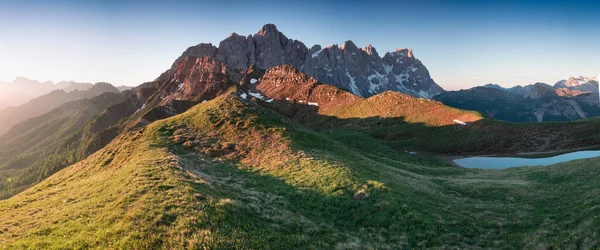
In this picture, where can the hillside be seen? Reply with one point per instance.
(40, 146)
(408, 121)
(322, 105)
(229, 173)
(43, 104)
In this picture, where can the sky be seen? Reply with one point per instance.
(462, 43)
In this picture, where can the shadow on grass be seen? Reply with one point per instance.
(482, 137)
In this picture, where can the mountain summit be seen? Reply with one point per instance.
(362, 71)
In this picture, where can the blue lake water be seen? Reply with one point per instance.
(507, 162)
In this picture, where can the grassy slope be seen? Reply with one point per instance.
(228, 174)
(40, 146)
(45, 103)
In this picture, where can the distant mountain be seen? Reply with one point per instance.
(359, 70)
(123, 88)
(70, 86)
(572, 99)
(520, 90)
(540, 90)
(494, 86)
(583, 84)
(40, 105)
(22, 89)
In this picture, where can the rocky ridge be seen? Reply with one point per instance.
(359, 70)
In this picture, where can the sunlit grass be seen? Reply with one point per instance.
(228, 174)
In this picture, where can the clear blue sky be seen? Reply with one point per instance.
(463, 43)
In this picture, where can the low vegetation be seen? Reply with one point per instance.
(41, 146)
(229, 174)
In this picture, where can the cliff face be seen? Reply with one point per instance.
(359, 70)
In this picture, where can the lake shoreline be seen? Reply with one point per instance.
(487, 162)
(541, 154)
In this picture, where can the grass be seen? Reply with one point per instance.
(41, 146)
(229, 174)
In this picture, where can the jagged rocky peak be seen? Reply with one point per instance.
(268, 29)
(362, 71)
(577, 81)
(370, 50)
(200, 50)
(404, 52)
(350, 46)
(572, 82)
(581, 83)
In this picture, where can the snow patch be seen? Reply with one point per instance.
(243, 95)
(388, 68)
(400, 78)
(383, 80)
(583, 80)
(143, 105)
(353, 86)
(253, 81)
(256, 95)
(459, 122)
(204, 101)
(287, 98)
(180, 86)
(317, 53)
(260, 96)
(313, 104)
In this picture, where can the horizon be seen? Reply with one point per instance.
(594, 78)
(463, 44)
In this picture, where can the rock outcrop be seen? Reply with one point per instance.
(359, 70)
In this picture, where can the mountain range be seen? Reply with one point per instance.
(571, 99)
(44, 103)
(22, 89)
(250, 148)
(360, 70)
